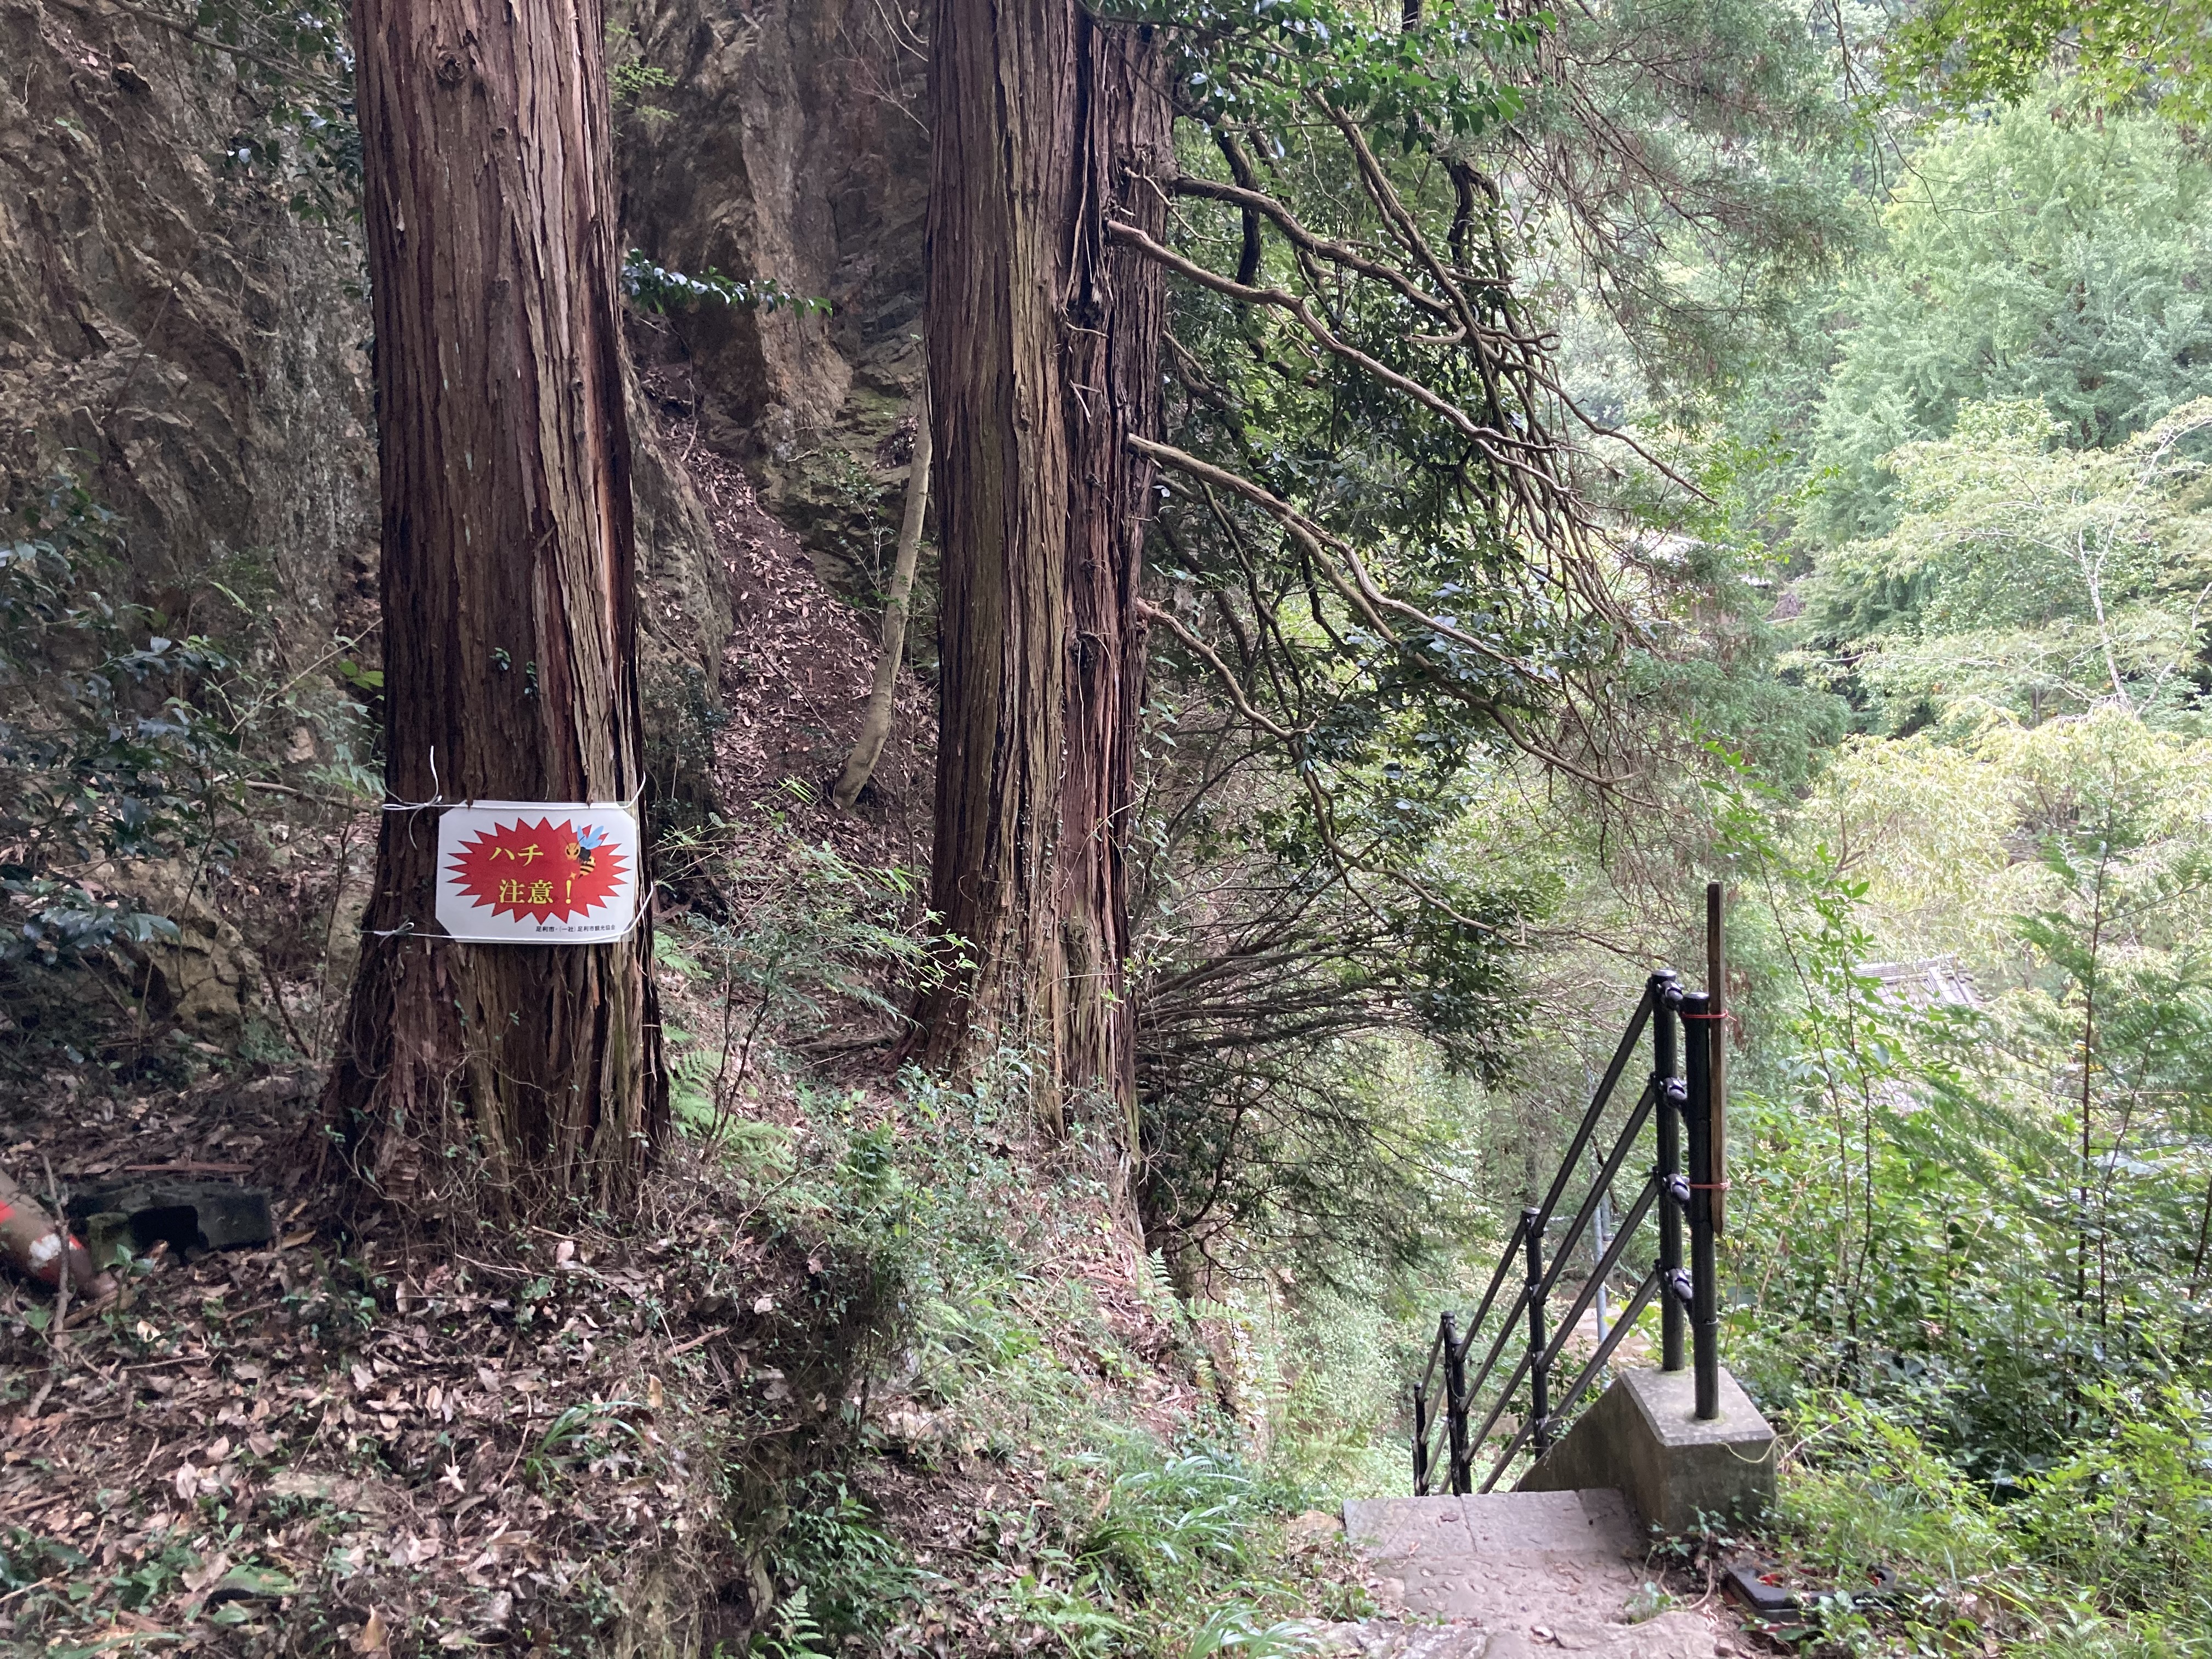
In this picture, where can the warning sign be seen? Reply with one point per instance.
(534, 872)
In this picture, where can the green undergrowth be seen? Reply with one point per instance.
(2109, 1553)
(1032, 1469)
(1049, 1450)
(1967, 1233)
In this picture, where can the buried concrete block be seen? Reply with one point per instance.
(205, 1215)
(1681, 1476)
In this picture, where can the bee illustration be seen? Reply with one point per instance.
(589, 840)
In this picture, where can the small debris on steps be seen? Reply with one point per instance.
(1388, 1638)
(1526, 1570)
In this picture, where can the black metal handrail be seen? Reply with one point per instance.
(1680, 1108)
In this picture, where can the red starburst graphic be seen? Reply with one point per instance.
(545, 871)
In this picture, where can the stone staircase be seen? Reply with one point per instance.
(1511, 1575)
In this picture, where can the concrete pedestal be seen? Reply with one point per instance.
(1644, 1438)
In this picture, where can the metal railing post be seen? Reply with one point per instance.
(1455, 1404)
(1685, 1185)
(1705, 1286)
(1421, 1443)
(1600, 1236)
(1663, 1058)
(1540, 1403)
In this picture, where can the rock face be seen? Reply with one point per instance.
(683, 613)
(170, 331)
(792, 144)
(177, 332)
(197, 351)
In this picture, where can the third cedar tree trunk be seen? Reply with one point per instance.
(508, 572)
(1044, 355)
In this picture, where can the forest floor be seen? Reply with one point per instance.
(358, 1438)
(362, 1439)
(368, 1434)
(796, 674)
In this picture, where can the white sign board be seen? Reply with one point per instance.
(537, 872)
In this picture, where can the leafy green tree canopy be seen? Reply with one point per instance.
(2037, 580)
(2025, 258)
(2120, 52)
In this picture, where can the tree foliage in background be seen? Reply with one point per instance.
(2024, 259)
(1376, 563)
(1971, 1232)
(1274, 1002)
(2117, 54)
(1680, 171)
(2037, 580)
(1386, 573)
(1988, 1224)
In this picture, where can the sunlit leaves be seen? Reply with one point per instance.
(656, 287)
(2021, 576)
(2121, 53)
(2024, 260)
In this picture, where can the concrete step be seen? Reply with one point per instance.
(1507, 1575)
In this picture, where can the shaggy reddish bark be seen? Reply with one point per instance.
(1043, 357)
(508, 567)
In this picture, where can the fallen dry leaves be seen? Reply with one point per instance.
(381, 1446)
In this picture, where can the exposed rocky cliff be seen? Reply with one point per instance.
(791, 145)
(182, 327)
(176, 332)
(171, 330)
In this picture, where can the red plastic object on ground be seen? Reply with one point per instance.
(38, 1250)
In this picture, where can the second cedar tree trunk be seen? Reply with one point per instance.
(1044, 355)
(508, 578)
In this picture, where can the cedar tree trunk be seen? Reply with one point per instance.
(1044, 356)
(508, 574)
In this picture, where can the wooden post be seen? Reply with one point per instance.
(1715, 991)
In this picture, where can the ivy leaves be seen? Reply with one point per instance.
(656, 287)
(102, 757)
